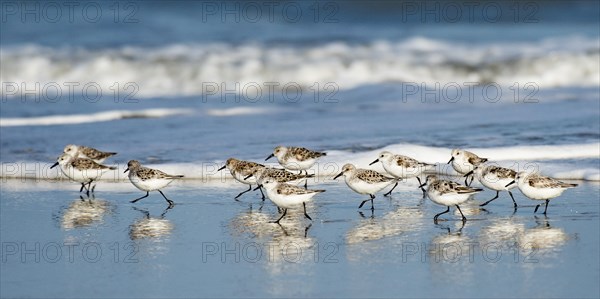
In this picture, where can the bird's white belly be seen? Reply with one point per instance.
(403, 172)
(362, 187)
(82, 176)
(293, 164)
(462, 167)
(288, 201)
(240, 178)
(541, 193)
(494, 183)
(149, 185)
(448, 199)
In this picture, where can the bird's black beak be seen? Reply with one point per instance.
(374, 162)
(339, 175)
(54, 165)
(126, 170)
(250, 175)
(510, 183)
(269, 157)
(468, 174)
(257, 187)
(451, 159)
(222, 167)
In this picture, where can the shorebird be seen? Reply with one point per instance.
(538, 187)
(148, 179)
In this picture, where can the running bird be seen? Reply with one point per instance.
(296, 158)
(148, 179)
(87, 152)
(287, 196)
(495, 178)
(365, 181)
(448, 193)
(539, 187)
(242, 172)
(81, 170)
(464, 162)
(402, 167)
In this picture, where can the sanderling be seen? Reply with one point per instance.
(81, 170)
(287, 196)
(495, 178)
(401, 167)
(242, 172)
(365, 181)
(539, 187)
(295, 158)
(279, 175)
(464, 162)
(87, 152)
(148, 179)
(448, 193)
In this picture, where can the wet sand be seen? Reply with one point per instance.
(56, 244)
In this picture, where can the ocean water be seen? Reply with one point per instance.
(184, 86)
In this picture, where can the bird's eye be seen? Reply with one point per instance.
(458, 153)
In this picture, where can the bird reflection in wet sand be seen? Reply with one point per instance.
(290, 235)
(394, 223)
(448, 238)
(151, 227)
(542, 237)
(84, 212)
(448, 255)
(512, 232)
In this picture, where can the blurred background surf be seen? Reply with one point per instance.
(183, 83)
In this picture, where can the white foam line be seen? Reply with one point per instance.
(89, 118)
(239, 111)
(516, 157)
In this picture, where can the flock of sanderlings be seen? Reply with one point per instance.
(83, 164)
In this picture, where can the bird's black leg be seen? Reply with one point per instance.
(283, 215)
(536, 208)
(171, 203)
(135, 200)
(546, 208)
(435, 218)
(305, 182)
(464, 219)
(513, 199)
(372, 197)
(485, 203)
(467, 181)
(262, 194)
(249, 189)
(390, 192)
(90, 188)
(82, 186)
(305, 214)
(362, 203)
(422, 189)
